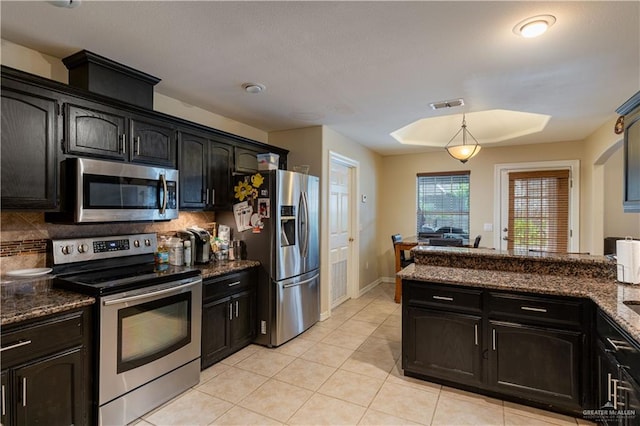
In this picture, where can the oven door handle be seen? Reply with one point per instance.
(148, 295)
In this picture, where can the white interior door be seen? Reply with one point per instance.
(339, 231)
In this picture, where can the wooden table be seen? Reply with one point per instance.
(402, 245)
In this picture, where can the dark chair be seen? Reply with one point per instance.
(404, 260)
(476, 242)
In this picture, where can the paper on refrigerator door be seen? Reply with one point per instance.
(628, 259)
(242, 213)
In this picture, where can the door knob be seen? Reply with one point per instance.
(505, 230)
(350, 239)
(505, 238)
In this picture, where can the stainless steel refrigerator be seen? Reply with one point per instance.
(288, 248)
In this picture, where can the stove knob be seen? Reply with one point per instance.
(67, 249)
(82, 248)
(147, 242)
(136, 243)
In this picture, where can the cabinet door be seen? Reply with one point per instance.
(243, 324)
(95, 132)
(442, 344)
(537, 363)
(246, 160)
(220, 160)
(28, 151)
(631, 194)
(216, 333)
(629, 397)
(192, 165)
(152, 142)
(5, 411)
(607, 371)
(51, 391)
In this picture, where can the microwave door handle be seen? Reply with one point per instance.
(164, 194)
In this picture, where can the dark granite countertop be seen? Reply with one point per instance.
(607, 293)
(26, 298)
(215, 269)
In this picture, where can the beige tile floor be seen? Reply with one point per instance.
(343, 371)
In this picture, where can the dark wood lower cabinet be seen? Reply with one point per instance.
(536, 362)
(46, 371)
(529, 348)
(228, 315)
(458, 354)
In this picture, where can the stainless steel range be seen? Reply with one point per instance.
(148, 320)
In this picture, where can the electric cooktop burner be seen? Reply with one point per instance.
(113, 264)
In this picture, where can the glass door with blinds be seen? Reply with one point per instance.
(538, 211)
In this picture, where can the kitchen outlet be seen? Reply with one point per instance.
(488, 227)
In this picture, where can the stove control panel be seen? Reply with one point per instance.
(94, 248)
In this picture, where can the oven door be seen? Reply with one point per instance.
(108, 192)
(146, 333)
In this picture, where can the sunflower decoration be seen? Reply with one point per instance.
(249, 191)
(243, 190)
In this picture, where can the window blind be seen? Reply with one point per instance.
(443, 201)
(539, 211)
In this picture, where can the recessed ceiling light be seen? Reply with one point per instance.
(254, 87)
(534, 26)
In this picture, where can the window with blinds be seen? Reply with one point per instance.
(443, 203)
(539, 211)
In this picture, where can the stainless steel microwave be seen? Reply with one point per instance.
(105, 191)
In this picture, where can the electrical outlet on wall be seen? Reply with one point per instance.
(488, 227)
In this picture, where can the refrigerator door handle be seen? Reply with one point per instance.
(306, 223)
(301, 282)
(303, 225)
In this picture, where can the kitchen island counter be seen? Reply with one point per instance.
(581, 279)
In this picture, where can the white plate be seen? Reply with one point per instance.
(33, 272)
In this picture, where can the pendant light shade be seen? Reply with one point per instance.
(464, 151)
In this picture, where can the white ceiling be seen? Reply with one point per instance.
(363, 68)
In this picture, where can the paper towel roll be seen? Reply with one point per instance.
(628, 261)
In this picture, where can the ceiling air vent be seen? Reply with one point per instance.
(447, 104)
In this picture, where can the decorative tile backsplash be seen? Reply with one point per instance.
(15, 248)
(24, 235)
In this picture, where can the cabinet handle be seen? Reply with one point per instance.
(16, 345)
(615, 392)
(24, 391)
(124, 143)
(213, 196)
(475, 331)
(207, 198)
(609, 387)
(137, 145)
(236, 309)
(618, 344)
(529, 308)
(493, 338)
(233, 283)
(448, 299)
(230, 311)
(4, 411)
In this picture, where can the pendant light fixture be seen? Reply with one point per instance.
(463, 152)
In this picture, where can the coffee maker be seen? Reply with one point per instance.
(202, 248)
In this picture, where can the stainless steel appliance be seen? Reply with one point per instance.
(288, 248)
(106, 191)
(148, 317)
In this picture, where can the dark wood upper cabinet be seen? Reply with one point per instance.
(246, 160)
(95, 132)
(631, 193)
(219, 168)
(29, 152)
(193, 171)
(152, 142)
